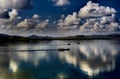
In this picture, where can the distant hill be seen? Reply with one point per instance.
(5, 37)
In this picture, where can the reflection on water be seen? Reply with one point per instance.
(101, 52)
(88, 60)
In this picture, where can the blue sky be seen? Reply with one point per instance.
(46, 8)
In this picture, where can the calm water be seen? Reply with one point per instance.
(96, 59)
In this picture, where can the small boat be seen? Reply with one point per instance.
(62, 49)
(69, 44)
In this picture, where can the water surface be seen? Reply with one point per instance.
(95, 59)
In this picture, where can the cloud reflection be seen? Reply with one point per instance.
(92, 57)
(99, 57)
(89, 57)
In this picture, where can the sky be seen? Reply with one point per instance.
(59, 17)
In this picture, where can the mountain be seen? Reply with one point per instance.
(9, 38)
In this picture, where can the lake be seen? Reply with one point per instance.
(87, 59)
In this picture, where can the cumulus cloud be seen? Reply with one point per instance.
(13, 14)
(61, 2)
(69, 20)
(103, 24)
(95, 10)
(18, 26)
(91, 18)
(36, 16)
(98, 18)
(33, 23)
(16, 4)
(42, 24)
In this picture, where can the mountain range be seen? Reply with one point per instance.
(10, 38)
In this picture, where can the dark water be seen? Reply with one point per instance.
(96, 59)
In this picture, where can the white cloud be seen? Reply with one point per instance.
(16, 4)
(23, 24)
(18, 26)
(43, 24)
(13, 14)
(61, 2)
(36, 16)
(103, 24)
(69, 20)
(94, 10)
(3, 21)
(91, 18)
(99, 18)
(34, 23)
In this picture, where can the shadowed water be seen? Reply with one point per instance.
(98, 59)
